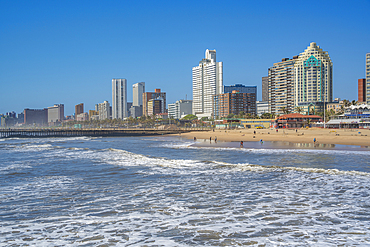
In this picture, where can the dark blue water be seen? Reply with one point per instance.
(172, 192)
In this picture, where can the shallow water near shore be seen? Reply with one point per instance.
(168, 191)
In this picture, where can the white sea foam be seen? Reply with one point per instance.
(125, 158)
(191, 145)
(15, 166)
(296, 211)
(260, 168)
(196, 203)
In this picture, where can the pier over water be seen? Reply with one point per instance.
(103, 132)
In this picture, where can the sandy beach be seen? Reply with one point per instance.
(360, 137)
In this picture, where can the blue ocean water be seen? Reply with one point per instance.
(169, 191)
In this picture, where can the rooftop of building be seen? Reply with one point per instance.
(359, 107)
(239, 85)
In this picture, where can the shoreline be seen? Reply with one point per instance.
(356, 137)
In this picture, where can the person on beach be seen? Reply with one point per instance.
(210, 139)
(195, 138)
(314, 140)
(261, 141)
(241, 144)
(215, 138)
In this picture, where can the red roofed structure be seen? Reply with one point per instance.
(296, 120)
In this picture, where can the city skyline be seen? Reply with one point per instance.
(64, 52)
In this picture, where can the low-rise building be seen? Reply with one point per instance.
(180, 109)
(296, 120)
(162, 116)
(354, 117)
(93, 115)
(257, 123)
(136, 111)
(335, 106)
(82, 116)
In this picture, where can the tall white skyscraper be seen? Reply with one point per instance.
(313, 76)
(207, 81)
(119, 98)
(138, 89)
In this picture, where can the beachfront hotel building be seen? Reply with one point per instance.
(281, 86)
(313, 78)
(36, 117)
(234, 103)
(55, 114)
(367, 69)
(119, 98)
(207, 82)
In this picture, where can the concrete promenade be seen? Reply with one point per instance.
(103, 132)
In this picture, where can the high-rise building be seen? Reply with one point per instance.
(241, 88)
(79, 109)
(104, 110)
(265, 88)
(281, 86)
(55, 114)
(157, 95)
(137, 93)
(367, 78)
(36, 117)
(234, 103)
(119, 98)
(207, 82)
(180, 109)
(362, 90)
(313, 77)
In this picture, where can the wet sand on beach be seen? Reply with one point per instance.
(359, 137)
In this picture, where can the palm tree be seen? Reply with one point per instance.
(346, 103)
(312, 111)
(241, 114)
(299, 109)
(283, 109)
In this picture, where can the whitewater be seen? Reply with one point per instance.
(169, 191)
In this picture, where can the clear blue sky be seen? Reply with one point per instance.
(69, 51)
